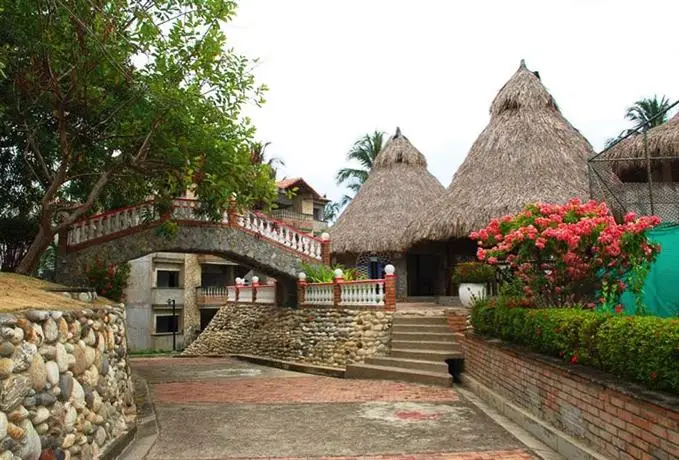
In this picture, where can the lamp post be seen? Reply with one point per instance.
(172, 303)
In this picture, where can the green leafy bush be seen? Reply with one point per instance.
(644, 349)
(109, 280)
(317, 273)
(473, 272)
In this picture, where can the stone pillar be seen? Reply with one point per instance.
(337, 288)
(325, 248)
(389, 288)
(192, 280)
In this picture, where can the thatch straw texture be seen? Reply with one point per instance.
(398, 186)
(528, 153)
(662, 141)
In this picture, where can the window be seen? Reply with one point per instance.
(166, 324)
(167, 278)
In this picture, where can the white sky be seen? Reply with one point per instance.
(339, 69)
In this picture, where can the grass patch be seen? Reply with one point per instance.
(19, 292)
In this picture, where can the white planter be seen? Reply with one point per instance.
(469, 292)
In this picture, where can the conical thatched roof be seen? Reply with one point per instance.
(398, 186)
(662, 141)
(528, 153)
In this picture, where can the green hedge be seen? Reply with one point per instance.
(644, 349)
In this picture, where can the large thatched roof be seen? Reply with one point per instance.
(528, 152)
(662, 141)
(397, 187)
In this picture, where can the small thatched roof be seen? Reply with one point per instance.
(662, 141)
(528, 153)
(397, 187)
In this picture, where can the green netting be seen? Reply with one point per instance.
(661, 289)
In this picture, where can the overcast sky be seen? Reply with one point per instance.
(339, 69)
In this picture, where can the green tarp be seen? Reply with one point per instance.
(661, 289)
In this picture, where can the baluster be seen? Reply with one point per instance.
(83, 232)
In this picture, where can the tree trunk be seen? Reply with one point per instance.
(30, 261)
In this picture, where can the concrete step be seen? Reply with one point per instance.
(414, 364)
(425, 345)
(426, 355)
(372, 371)
(423, 336)
(440, 328)
(420, 320)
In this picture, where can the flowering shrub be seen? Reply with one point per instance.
(473, 272)
(638, 348)
(109, 280)
(565, 254)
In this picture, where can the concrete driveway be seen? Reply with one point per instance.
(216, 408)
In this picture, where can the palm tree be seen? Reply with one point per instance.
(331, 212)
(364, 150)
(258, 156)
(648, 113)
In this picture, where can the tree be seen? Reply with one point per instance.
(641, 114)
(364, 150)
(331, 211)
(648, 113)
(258, 156)
(107, 102)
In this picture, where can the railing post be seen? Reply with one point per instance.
(389, 288)
(239, 283)
(325, 248)
(301, 288)
(255, 285)
(337, 288)
(231, 212)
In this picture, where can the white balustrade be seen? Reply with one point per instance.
(362, 293)
(282, 234)
(245, 294)
(319, 294)
(266, 293)
(126, 218)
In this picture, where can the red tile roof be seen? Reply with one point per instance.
(292, 181)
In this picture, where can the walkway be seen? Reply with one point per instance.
(226, 409)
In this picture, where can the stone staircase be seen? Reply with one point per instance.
(420, 346)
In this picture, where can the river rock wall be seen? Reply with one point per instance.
(65, 383)
(316, 335)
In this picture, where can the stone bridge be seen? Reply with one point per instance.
(251, 239)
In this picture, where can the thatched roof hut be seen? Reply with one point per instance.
(398, 186)
(662, 142)
(528, 153)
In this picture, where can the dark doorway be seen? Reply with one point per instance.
(206, 315)
(216, 275)
(375, 269)
(422, 274)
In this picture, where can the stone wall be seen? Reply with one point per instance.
(617, 419)
(64, 382)
(313, 335)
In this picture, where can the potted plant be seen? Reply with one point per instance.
(472, 278)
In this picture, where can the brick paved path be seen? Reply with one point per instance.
(227, 409)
